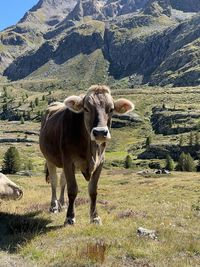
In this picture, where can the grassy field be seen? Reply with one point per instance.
(30, 236)
(170, 205)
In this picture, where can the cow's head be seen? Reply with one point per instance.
(8, 189)
(98, 107)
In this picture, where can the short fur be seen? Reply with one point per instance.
(67, 141)
(8, 189)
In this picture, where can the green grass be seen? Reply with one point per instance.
(126, 202)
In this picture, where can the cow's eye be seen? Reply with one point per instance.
(86, 109)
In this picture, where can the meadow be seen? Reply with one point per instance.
(168, 204)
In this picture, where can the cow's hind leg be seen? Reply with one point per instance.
(62, 189)
(55, 205)
(72, 190)
(92, 188)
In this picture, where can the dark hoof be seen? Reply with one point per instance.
(69, 221)
(96, 220)
(55, 207)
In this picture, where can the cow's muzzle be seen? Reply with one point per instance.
(100, 134)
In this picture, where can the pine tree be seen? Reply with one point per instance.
(181, 140)
(148, 141)
(22, 120)
(169, 163)
(191, 139)
(181, 162)
(198, 166)
(28, 115)
(185, 163)
(128, 162)
(36, 101)
(11, 161)
(197, 139)
(189, 164)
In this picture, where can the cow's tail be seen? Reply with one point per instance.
(47, 178)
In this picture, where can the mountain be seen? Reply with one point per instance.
(85, 41)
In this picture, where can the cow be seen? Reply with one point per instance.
(8, 189)
(73, 136)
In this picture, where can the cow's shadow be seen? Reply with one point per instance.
(16, 230)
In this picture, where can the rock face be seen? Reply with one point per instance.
(186, 5)
(174, 121)
(150, 41)
(158, 8)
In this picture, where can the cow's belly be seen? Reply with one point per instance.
(52, 155)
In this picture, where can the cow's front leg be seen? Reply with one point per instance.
(72, 190)
(55, 205)
(92, 188)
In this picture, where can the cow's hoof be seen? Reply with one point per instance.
(55, 207)
(96, 220)
(69, 221)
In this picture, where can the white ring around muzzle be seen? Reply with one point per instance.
(100, 138)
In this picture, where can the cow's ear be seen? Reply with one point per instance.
(123, 105)
(74, 103)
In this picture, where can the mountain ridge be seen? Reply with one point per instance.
(134, 38)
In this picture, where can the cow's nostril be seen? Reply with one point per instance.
(100, 132)
(105, 132)
(95, 133)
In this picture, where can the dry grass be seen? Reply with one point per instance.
(30, 236)
(167, 205)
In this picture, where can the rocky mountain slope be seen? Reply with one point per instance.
(87, 41)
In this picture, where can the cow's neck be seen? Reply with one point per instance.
(95, 155)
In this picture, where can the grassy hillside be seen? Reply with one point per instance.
(30, 236)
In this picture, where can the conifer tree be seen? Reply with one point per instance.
(189, 164)
(11, 161)
(191, 139)
(128, 162)
(22, 120)
(197, 139)
(185, 163)
(148, 141)
(181, 140)
(36, 101)
(169, 163)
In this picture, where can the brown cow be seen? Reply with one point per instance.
(8, 189)
(73, 136)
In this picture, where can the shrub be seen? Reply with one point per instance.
(28, 165)
(36, 101)
(191, 139)
(197, 139)
(185, 163)
(11, 161)
(148, 141)
(181, 140)
(22, 120)
(154, 165)
(169, 163)
(128, 162)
